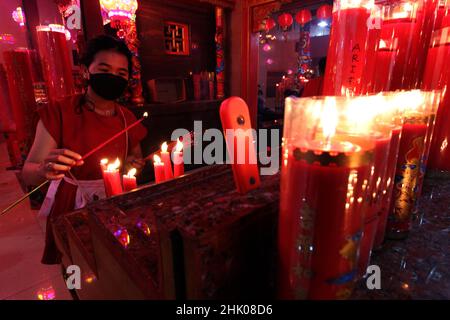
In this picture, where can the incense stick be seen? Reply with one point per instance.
(15, 203)
(114, 137)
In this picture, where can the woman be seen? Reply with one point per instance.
(70, 128)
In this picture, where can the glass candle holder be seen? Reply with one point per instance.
(347, 47)
(327, 156)
(387, 127)
(393, 116)
(419, 113)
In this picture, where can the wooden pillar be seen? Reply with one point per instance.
(220, 52)
(92, 18)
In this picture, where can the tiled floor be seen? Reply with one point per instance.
(22, 276)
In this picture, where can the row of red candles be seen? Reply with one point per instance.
(325, 243)
(325, 246)
(114, 185)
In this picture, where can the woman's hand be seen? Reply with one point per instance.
(58, 162)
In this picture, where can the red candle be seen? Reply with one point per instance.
(159, 169)
(388, 187)
(385, 61)
(437, 76)
(419, 114)
(129, 180)
(323, 184)
(367, 82)
(402, 25)
(178, 161)
(165, 158)
(56, 60)
(111, 178)
(426, 21)
(373, 40)
(347, 47)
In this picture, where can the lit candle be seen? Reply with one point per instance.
(159, 169)
(165, 158)
(318, 238)
(111, 178)
(178, 161)
(129, 180)
(419, 115)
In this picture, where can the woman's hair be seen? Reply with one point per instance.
(106, 43)
(96, 45)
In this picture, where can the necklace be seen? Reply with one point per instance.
(106, 113)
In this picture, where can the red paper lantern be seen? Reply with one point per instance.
(303, 16)
(324, 12)
(285, 20)
(270, 24)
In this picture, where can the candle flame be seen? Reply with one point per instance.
(179, 146)
(131, 173)
(145, 115)
(104, 162)
(329, 118)
(156, 159)
(113, 166)
(409, 101)
(382, 44)
(164, 147)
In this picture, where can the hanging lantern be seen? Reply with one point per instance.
(324, 12)
(270, 24)
(285, 20)
(303, 17)
(120, 12)
(19, 16)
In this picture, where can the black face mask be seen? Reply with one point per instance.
(108, 85)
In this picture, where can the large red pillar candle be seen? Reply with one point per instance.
(111, 178)
(165, 158)
(56, 60)
(159, 169)
(129, 180)
(419, 118)
(178, 161)
(347, 47)
(21, 73)
(402, 21)
(437, 76)
(426, 22)
(385, 61)
(6, 117)
(324, 180)
(373, 40)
